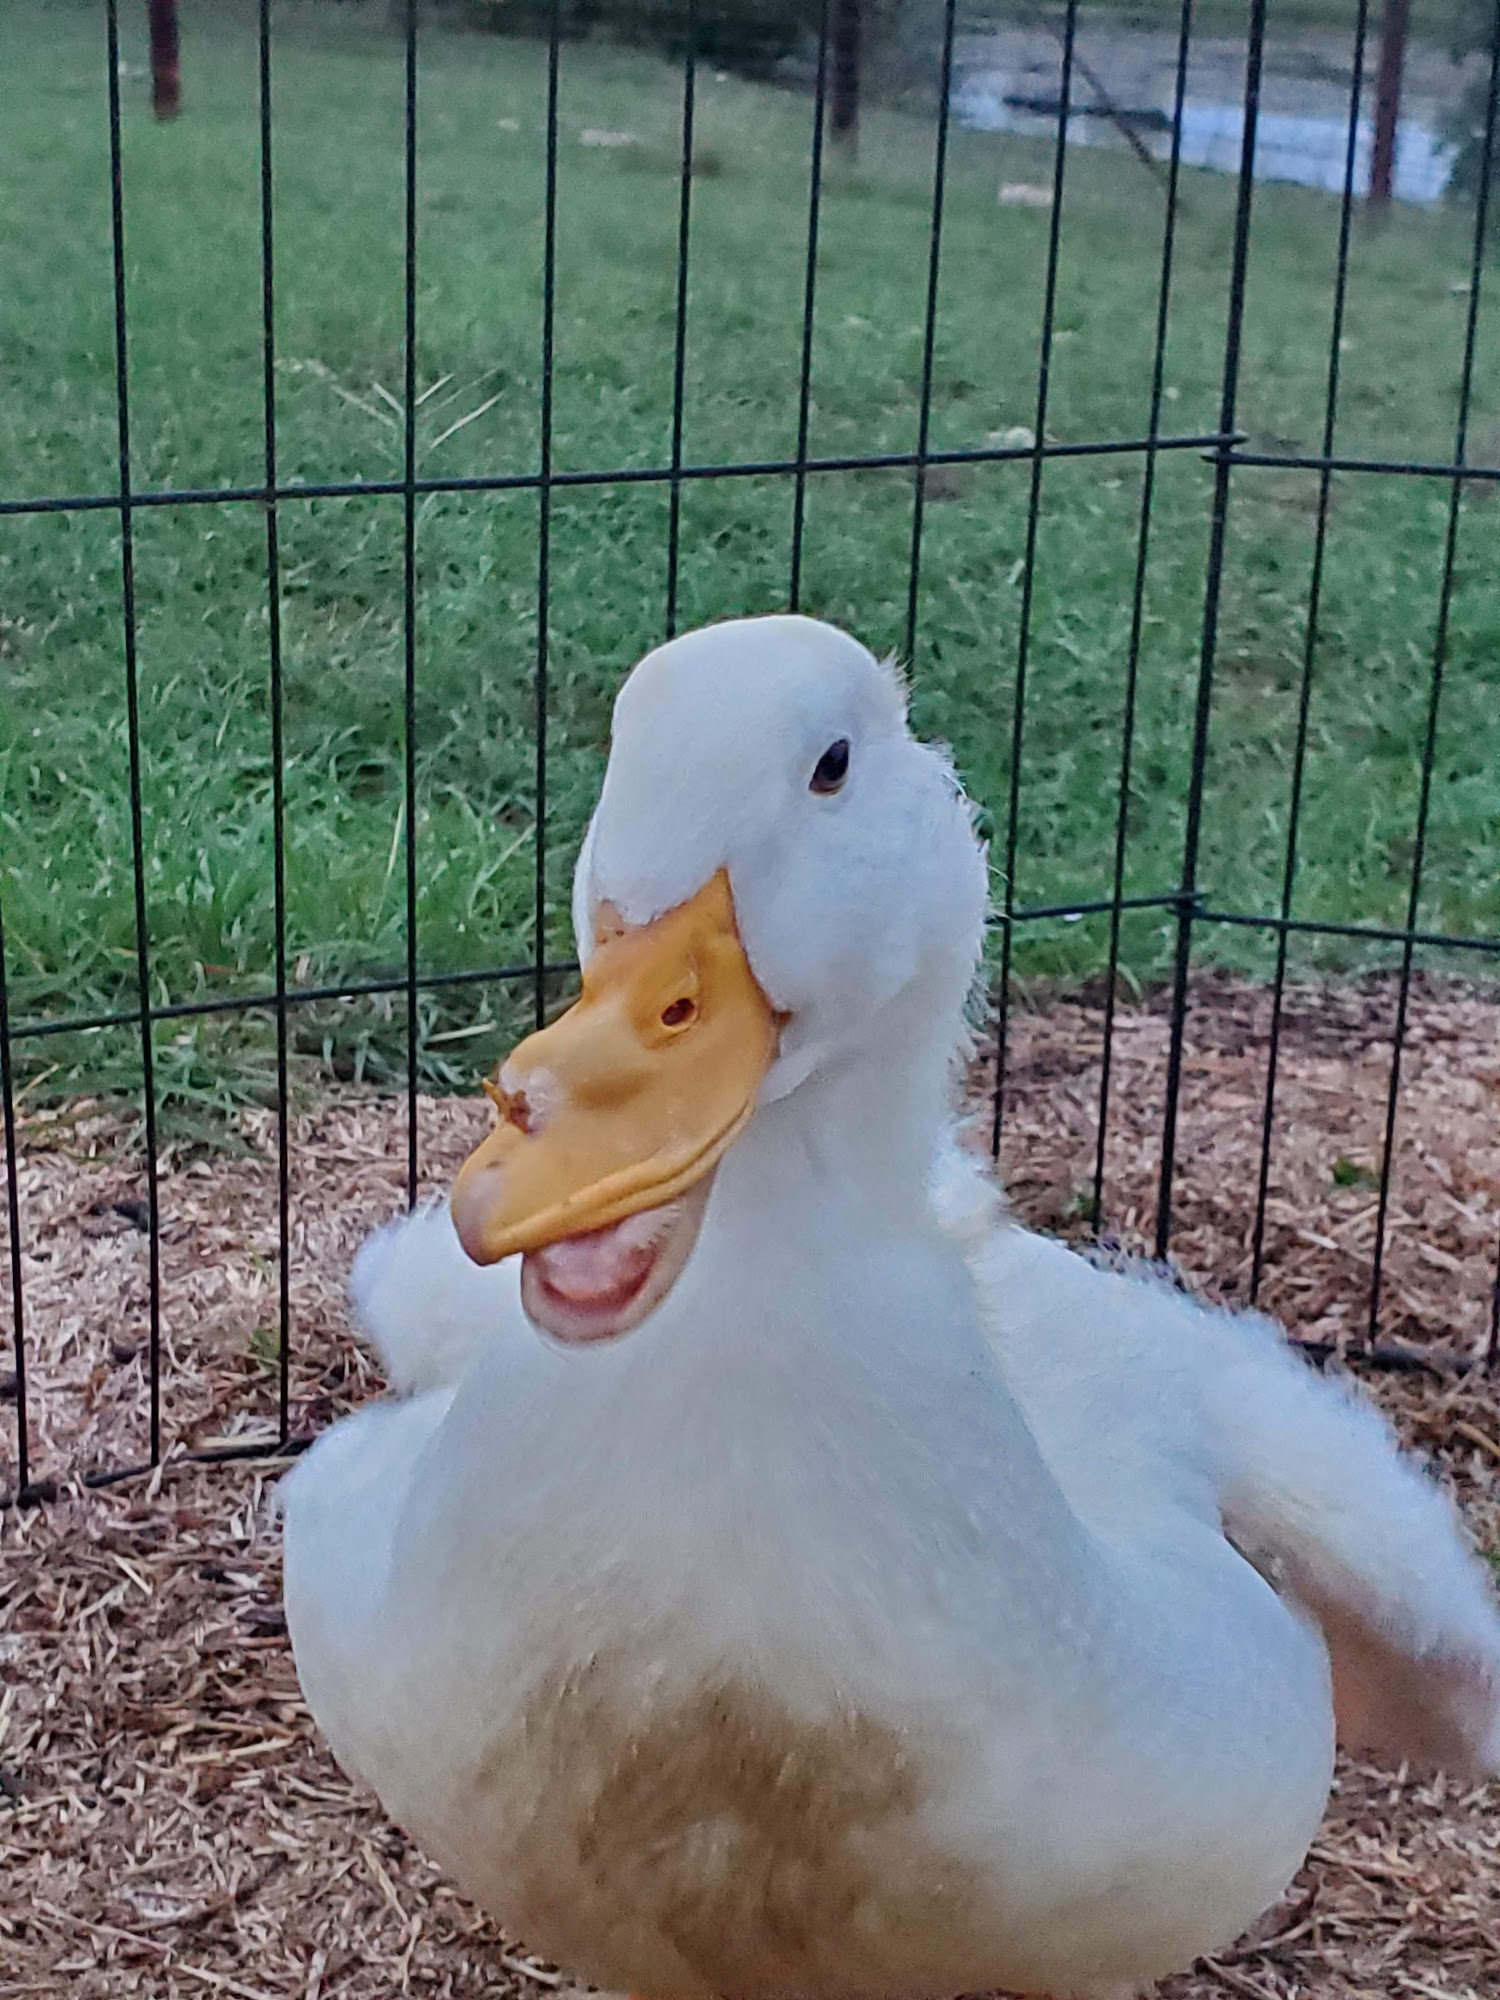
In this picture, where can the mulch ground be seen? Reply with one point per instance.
(169, 1823)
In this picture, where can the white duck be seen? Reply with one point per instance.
(848, 1593)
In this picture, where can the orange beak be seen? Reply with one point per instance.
(631, 1097)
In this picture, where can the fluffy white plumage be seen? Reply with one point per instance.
(887, 1615)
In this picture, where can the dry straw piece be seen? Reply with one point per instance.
(170, 1824)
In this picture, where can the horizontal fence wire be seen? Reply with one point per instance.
(642, 475)
(296, 996)
(526, 969)
(1204, 913)
(558, 968)
(1183, 908)
(1416, 468)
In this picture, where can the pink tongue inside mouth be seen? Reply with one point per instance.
(605, 1267)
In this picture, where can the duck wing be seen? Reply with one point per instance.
(1144, 1400)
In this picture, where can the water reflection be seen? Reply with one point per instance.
(1310, 151)
(1008, 81)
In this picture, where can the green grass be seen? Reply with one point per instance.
(192, 223)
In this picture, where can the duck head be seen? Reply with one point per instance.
(779, 886)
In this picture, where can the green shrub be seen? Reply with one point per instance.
(1475, 30)
(532, 17)
(745, 35)
(750, 36)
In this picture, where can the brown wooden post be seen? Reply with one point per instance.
(1388, 100)
(843, 93)
(166, 77)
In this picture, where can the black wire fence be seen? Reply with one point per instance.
(1187, 903)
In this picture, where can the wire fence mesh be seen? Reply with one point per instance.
(1189, 903)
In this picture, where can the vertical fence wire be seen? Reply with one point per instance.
(1492, 139)
(544, 518)
(133, 720)
(1138, 610)
(13, 1218)
(1435, 686)
(1309, 649)
(929, 327)
(126, 503)
(278, 753)
(1209, 644)
(1028, 569)
(409, 596)
(809, 306)
(680, 315)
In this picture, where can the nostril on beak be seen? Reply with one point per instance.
(513, 1105)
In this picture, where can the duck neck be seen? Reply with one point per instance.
(826, 1300)
(868, 1121)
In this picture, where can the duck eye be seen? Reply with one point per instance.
(678, 1013)
(832, 768)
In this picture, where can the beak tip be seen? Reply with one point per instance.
(474, 1199)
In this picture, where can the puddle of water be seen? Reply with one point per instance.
(1309, 151)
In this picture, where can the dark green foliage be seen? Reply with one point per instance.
(1476, 28)
(747, 36)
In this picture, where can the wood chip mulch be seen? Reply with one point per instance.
(169, 1823)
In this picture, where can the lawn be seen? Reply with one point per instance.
(191, 199)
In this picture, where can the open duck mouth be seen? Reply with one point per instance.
(601, 1283)
(613, 1120)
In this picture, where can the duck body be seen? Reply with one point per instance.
(869, 1620)
(763, 1657)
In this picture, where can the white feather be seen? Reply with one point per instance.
(423, 1305)
(1126, 1382)
(889, 1500)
